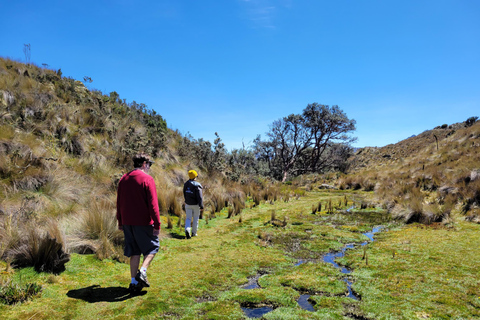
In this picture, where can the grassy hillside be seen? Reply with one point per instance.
(63, 148)
(426, 177)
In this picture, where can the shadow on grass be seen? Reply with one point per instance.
(96, 293)
(175, 234)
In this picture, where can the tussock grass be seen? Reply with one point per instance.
(44, 250)
(171, 201)
(95, 230)
(10, 235)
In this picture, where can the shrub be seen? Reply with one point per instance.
(12, 293)
(470, 121)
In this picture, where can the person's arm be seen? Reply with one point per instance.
(119, 214)
(153, 204)
(200, 197)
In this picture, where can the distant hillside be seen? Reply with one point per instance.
(426, 177)
(374, 157)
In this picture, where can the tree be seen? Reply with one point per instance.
(470, 121)
(87, 79)
(219, 155)
(311, 142)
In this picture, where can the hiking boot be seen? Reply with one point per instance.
(141, 277)
(134, 288)
(187, 234)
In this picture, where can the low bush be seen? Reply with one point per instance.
(12, 293)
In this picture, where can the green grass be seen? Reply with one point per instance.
(201, 278)
(419, 271)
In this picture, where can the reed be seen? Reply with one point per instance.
(273, 216)
(169, 222)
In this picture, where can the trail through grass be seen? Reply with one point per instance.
(201, 278)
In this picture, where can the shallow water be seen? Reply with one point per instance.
(304, 303)
(252, 286)
(330, 258)
(303, 300)
(256, 312)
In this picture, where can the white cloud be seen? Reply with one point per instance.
(260, 12)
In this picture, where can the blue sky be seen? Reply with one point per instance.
(234, 66)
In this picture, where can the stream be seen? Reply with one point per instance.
(303, 300)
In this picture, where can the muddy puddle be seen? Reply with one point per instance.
(303, 301)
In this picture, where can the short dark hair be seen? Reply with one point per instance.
(139, 159)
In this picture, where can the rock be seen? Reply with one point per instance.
(326, 186)
(8, 98)
(447, 190)
(475, 175)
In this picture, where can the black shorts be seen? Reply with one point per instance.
(140, 240)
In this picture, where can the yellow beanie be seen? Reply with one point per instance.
(192, 174)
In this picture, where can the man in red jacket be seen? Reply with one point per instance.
(138, 216)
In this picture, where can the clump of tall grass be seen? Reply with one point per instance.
(95, 230)
(230, 212)
(169, 222)
(474, 216)
(173, 201)
(218, 200)
(13, 292)
(42, 249)
(256, 198)
(329, 207)
(10, 235)
(238, 205)
(470, 193)
(179, 221)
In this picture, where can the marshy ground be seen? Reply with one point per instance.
(408, 272)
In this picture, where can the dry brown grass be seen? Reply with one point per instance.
(95, 229)
(443, 175)
(44, 249)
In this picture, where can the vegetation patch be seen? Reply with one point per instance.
(12, 292)
(417, 270)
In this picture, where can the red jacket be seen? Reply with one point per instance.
(137, 202)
